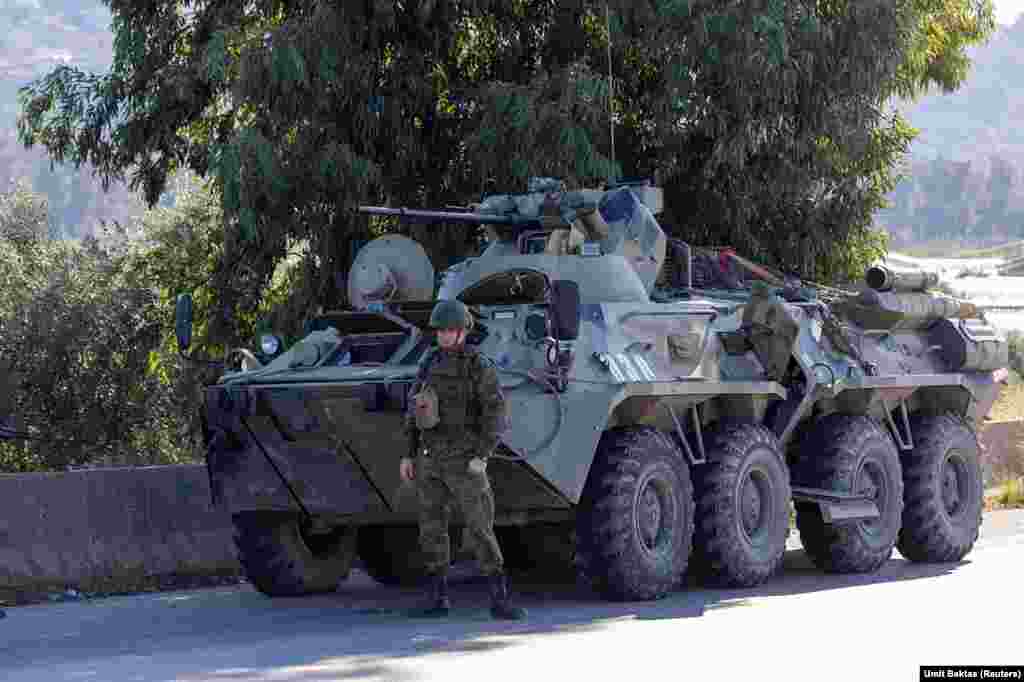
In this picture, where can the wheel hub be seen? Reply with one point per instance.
(754, 504)
(953, 485)
(871, 485)
(649, 516)
(751, 506)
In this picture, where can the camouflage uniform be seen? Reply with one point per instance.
(472, 414)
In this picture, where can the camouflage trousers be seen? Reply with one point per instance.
(441, 480)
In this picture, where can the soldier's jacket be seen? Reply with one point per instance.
(470, 403)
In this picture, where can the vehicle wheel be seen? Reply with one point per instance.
(850, 454)
(391, 554)
(942, 489)
(742, 517)
(281, 559)
(635, 521)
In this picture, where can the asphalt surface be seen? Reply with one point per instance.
(801, 625)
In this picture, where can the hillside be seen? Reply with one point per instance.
(982, 119)
(964, 183)
(35, 35)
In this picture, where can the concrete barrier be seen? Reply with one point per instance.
(110, 529)
(116, 529)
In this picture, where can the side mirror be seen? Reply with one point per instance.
(183, 321)
(565, 310)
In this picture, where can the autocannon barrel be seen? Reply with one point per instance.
(420, 215)
(881, 278)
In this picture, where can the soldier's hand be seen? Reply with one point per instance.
(407, 469)
(477, 465)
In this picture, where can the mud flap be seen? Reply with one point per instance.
(837, 507)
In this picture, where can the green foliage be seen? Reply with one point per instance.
(24, 217)
(179, 252)
(217, 58)
(182, 251)
(936, 57)
(1015, 342)
(1011, 493)
(78, 330)
(764, 119)
(674, 9)
(96, 378)
(791, 153)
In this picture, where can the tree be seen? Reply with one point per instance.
(1001, 182)
(765, 119)
(23, 216)
(23, 222)
(78, 333)
(937, 55)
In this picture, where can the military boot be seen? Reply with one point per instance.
(500, 606)
(437, 605)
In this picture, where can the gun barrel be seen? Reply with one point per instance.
(881, 278)
(420, 215)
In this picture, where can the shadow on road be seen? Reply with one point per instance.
(798, 576)
(363, 623)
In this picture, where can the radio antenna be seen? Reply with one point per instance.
(611, 120)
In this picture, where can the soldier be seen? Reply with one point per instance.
(454, 429)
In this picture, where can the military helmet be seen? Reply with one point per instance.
(451, 315)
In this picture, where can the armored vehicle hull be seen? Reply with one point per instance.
(653, 431)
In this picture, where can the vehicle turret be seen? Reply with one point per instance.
(526, 230)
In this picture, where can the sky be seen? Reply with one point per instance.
(1007, 11)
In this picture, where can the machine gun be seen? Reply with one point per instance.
(502, 226)
(554, 207)
(425, 216)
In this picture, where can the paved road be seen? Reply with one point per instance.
(801, 625)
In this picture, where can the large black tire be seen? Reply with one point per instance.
(943, 490)
(391, 555)
(281, 560)
(850, 454)
(635, 519)
(742, 517)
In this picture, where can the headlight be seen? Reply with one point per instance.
(270, 344)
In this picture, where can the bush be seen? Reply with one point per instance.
(1012, 494)
(1015, 342)
(23, 216)
(80, 344)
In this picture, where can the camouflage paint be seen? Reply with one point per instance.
(318, 434)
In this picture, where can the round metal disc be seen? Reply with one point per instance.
(392, 267)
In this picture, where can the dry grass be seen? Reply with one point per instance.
(1006, 251)
(1010, 404)
(1009, 492)
(958, 249)
(1007, 495)
(1012, 494)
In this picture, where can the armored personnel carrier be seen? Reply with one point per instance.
(667, 408)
